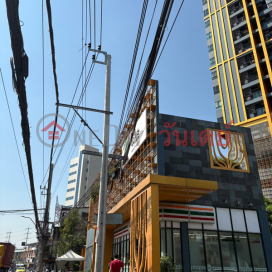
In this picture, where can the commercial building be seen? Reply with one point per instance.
(182, 194)
(83, 171)
(239, 39)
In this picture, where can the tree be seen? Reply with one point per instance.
(73, 235)
(268, 207)
(167, 264)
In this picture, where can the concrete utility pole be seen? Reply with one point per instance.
(26, 242)
(101, 222)
(8, 233)
(44, 235)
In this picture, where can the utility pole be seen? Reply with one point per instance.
(44, 233)
(26, 242)
(101, 222)
(8, 236)
(19, 65)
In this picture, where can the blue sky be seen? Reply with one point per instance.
(183, 73)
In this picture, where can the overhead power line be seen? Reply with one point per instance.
(49, 13)
(138, 38)
(15, 135)
(168, 36)
(139, 66)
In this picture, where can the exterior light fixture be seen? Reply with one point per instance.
(237, 203)
(225, 202)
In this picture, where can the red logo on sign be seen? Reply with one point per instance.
(50, 133)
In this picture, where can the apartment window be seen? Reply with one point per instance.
(256, 94)
(87, 162)
(204, 2)
(214, 75)
(210, 48)
(206, 12)
(72, 173)
(259, 109)
(69, 198)
(71, 189)
(71, 181)
(209, 35)
(207, 23)
(220, 120)
(87, 170)
(212, 61)
(218, 105)
(86, 178)
(216, 89)
(73, 165)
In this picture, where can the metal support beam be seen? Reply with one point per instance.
(101, 222)
(82, 108)
(85, 124)
(102, 52)
(95, 153)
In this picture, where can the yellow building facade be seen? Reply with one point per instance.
(239, 39)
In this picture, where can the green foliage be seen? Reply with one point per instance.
(268, 207)
(73, 234)
(76, 267)
(94, 193)
(222, 160)
(167, 264)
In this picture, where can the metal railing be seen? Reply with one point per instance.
(239, 34)
(235, 7)
(235, 21)
(249, 77)
(243, 62)
(241, 47)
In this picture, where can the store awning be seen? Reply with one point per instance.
(70, 256)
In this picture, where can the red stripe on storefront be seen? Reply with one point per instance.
(120, 233)
(175, 216)
(200, 218)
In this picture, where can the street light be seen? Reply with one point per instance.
(29, 218)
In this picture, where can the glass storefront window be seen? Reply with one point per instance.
(212, 251)
(163, 249)
(243, 255)
(177, 250)
(196, 247)
(257, 252)
(169, 242)
(227, 251)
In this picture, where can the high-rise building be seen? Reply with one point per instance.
(239, 38)
(83, 171)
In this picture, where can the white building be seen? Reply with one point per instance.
(83, 171)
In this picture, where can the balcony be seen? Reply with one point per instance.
(255, 110)
(252, 93)
(249, 78)
(264, 10)
(266, 22)
(235, 8)
(245, 62)
(238, 21)
(242, 46)
(239, 34)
